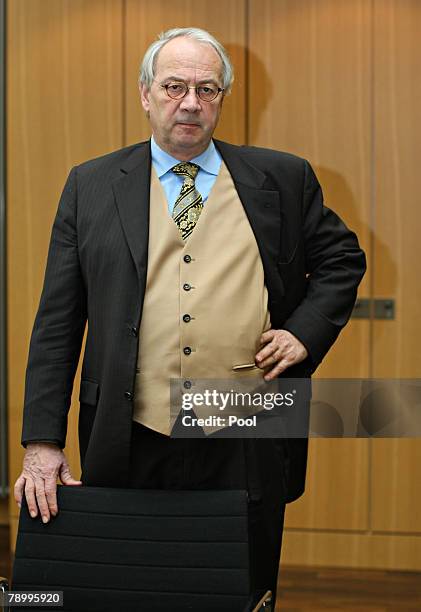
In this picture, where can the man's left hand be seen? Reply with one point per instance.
(282, 350)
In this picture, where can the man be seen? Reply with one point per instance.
(190, 258)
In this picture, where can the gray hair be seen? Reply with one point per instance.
(147, 69)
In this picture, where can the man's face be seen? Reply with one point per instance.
(183, 127)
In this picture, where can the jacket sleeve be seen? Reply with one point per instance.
(335, 265)
(58, 329)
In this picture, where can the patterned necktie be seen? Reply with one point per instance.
(189, 204)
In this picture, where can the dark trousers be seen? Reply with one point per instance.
(160, 462)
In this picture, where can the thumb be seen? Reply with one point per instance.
(66, 477)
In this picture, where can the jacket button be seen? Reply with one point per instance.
(187, 384)
(134, 331)
(128, 395)
(187, 350)
(186, 287)
(187, 258)
(186, 318)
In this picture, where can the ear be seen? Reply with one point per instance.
(144, 96)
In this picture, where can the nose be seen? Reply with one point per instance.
(191, 101)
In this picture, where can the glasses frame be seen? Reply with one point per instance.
(166, 85)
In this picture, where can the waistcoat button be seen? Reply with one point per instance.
(186, 287)
(186, 318)
(187, 350)
(187, 258)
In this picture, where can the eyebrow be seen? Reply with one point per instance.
(180, 80)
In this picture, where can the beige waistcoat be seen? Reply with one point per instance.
(227, 301)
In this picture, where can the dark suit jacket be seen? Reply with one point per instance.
(96, 272)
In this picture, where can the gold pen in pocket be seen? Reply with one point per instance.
(244, 366)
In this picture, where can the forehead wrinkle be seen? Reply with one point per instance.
(198, 71)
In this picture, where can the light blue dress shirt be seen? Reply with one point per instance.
(209, 162)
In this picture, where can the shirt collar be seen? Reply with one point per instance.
(209, 160)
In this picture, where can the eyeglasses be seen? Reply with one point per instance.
(207, 93)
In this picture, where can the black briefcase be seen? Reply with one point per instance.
(134, 550)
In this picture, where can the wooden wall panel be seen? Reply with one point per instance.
(225, 20)
(396, 486)
(397, 265)
(4, 512)
(337, 490)
(309, 66)
(396, 472)
(352, 550)
(64, 101)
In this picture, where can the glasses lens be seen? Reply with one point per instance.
(176, 90)
(207, 92)
(179, 90)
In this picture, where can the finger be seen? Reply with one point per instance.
(42, 500)
(51, 495)
(267, 336)
(30, 497)
(18, 490)
(66, 477)
(269, 355)
(272, 359)
(278, 369)
(265, 352)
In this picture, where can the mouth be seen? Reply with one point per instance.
(188, 124)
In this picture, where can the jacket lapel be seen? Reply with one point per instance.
(132, 194)
(263, 209)
(262, 205)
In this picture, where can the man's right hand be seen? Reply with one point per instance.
(43, 463)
